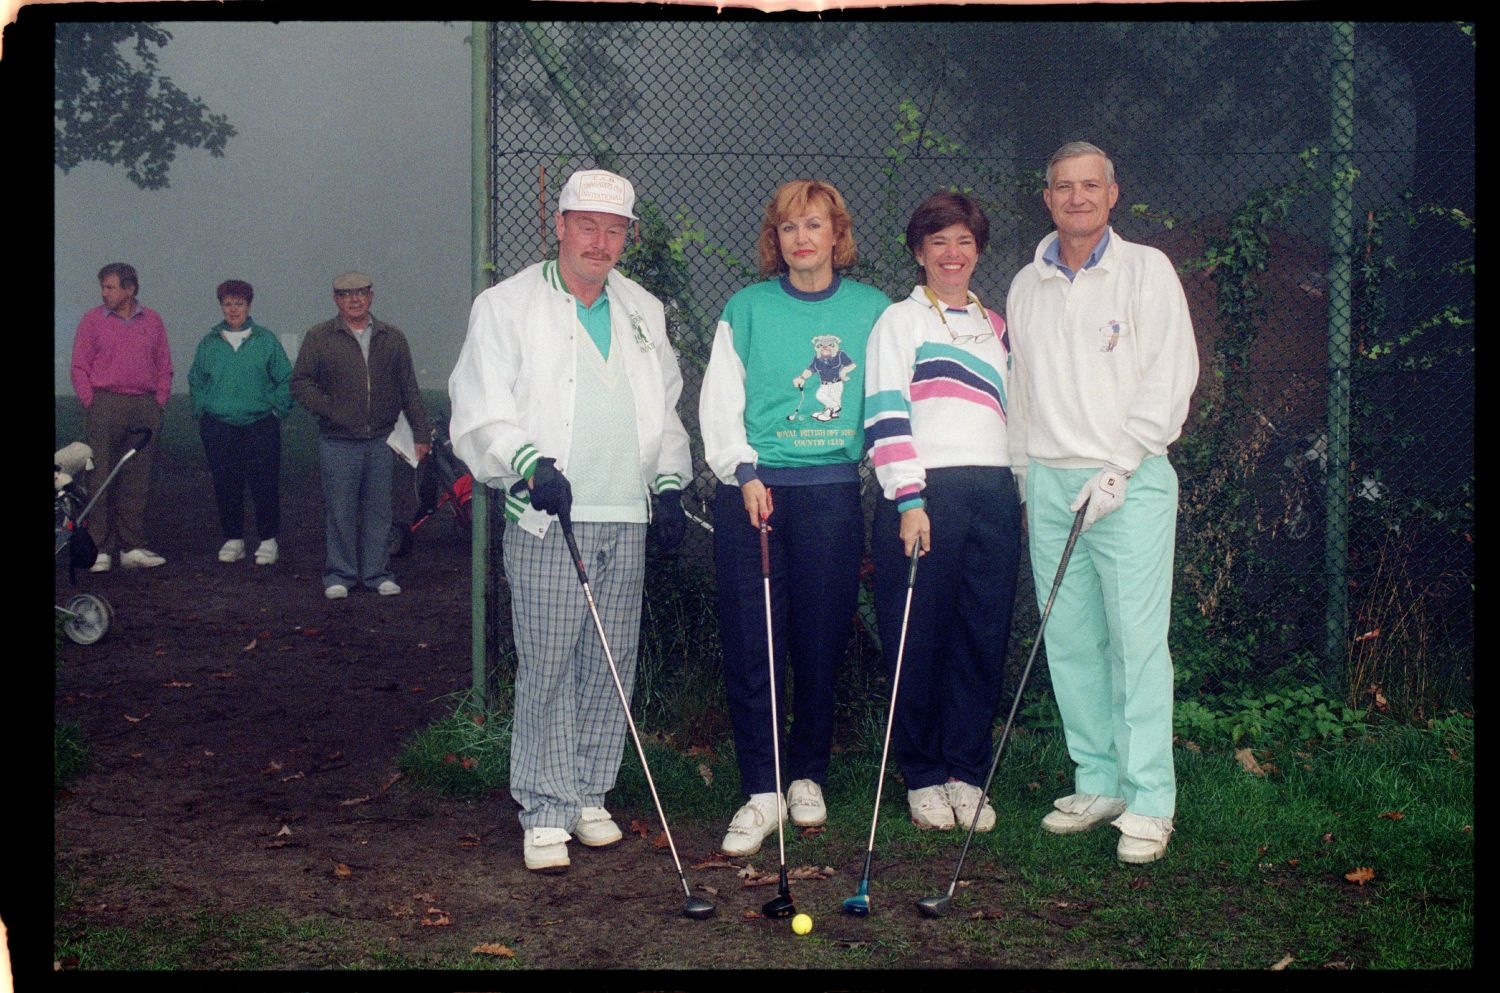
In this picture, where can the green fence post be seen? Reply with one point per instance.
(1340, 320)
(479, 227)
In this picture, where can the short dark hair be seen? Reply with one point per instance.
(124, 272)
(235, 288)
(942, 210)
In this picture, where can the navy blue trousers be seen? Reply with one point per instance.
(817, 543)
(959, 631)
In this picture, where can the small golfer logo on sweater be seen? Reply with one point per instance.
(832, 365)
(638, 329)
(1111, 332)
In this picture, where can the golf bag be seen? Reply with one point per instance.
(442, 481)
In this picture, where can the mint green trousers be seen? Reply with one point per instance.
(1106, 640)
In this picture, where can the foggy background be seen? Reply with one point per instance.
(352, 152)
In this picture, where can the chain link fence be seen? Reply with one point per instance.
(1313, 182)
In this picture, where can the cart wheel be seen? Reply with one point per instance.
(92, 616)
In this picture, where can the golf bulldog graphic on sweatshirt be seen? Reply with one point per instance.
(833, 366)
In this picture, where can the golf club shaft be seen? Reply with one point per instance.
(588, 594)
(890, 719)
(1062, 567)
(765, 573)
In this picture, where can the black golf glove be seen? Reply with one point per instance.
(551, 493)
(671, 522)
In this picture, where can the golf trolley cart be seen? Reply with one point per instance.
(442, 481)
(87, 616)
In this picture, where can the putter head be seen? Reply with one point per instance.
(778, 907)
(858, 905)
(698, 909)
(935, 906)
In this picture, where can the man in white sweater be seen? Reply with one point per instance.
(565, 397)
(1105, 363)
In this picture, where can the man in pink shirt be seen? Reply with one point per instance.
(122, 371)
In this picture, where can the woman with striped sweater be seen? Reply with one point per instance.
(936, 412)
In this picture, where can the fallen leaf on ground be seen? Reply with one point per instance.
(468, 840)
(284, 830)
(273, 767)
(436, 918)
(640, 828)
(987, 915)
(253, 642)
(390, 782)
(813, 832)
(491, 948)
(810, 872)
(295, 775)
(1246, 758)
(354, 801)
(1394, 815)
(342, 871)
(1286, 960)
(223, 675)
(1361, 875)
(1327, 838)
(714, 863)
(660, 841)
(705, 773)
(136, 720)
(752, 915)
(263, 635)
(177, 684)
(310, 632)
(1140, 883)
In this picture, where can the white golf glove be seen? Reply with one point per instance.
(1104, 493)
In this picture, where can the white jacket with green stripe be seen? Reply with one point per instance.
(513, 389)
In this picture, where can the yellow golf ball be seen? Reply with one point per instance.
(801, 924)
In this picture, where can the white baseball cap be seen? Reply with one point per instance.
(598, 190)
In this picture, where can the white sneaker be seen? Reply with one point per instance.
(1142, 838)
(233, 550)
(388, 587)
(140, 558)
(751, 825)
(804, 801)
(929, 809)
(596, 828)
(267, 552)
(102, 562)
(546, 849)
(336, 592)
(1081, 812)
(965, 799)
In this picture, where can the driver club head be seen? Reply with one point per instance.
(778, 907)
(698, 909)
(858, 905)
(935, 906)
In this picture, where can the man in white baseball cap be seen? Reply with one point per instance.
(567, 369)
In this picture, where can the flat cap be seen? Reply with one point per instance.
(352, 281)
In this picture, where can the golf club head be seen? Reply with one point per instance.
(934, 906)
(698, 909)
(778, 907)
(858, 905)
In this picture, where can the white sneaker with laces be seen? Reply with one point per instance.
(546, 849)
(102, 563)
(596, 828)
(336, 592)
(141, 558)
(1081, 812)
(929, 809)
(804, 801)
(267, 552)
(388, 587)
(751, 825)
(1142, 838)
(965, 799)
(233, 550)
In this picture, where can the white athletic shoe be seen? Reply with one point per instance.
(804, 802)
(1142, 838)
(929, 809)
(1082, 812)
(388, 587)
(546, 849)
(596, 828)
(267, 552)
(140, 558)
(233, 550)
(965, 799)
(336, 592)
(102, 563)
(751, 825)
